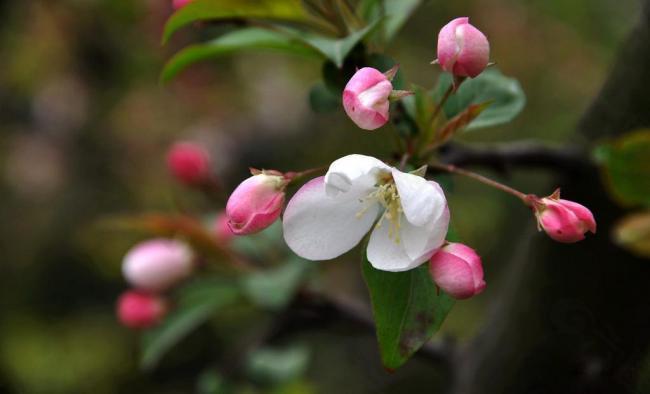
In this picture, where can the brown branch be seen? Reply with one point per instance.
(504, 157)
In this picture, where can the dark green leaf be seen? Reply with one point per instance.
(270, 365)
(335, 49)
(274, 288)
(199, 10)
(248, 38)
(408, 310)
(322, 99)
(505, 93)
(626, 167)
(196, 304)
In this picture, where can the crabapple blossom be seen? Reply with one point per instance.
(462, 49)
(365, 98)
(563, 220)
(158, 264)
(256, 203)
(329, 215)
(457, 269)
(189, 163)
(136, 309)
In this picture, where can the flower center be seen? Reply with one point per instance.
(387, 196)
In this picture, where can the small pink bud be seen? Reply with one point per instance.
(157, 264)
(189, 163)
(256, 203)
(462, 49)
(140, 310)
(563, 220)
(365, 98)
(180, 3)
(458, 270)
(222, 230)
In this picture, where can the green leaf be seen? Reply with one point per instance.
(248, 38)
(200, 10)
(625, 164)
(274, 288)
(262, 244)
(633, 233)
(505, 93)
(396, 13)
(408, 310)
(322, 99)
(335, 49)
(196, 304)
(274, 366)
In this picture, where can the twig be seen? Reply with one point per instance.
(521, 154)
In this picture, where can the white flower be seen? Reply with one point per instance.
(330, 215)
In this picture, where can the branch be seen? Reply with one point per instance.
(503, 157)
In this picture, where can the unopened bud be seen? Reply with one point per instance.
(139, 310)
(366, 98)
(256, 203)
(158, 264)
(457, 269)
(563, 220)
(462, 49)
(189, 163)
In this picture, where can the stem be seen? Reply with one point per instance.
(525, 198)
(442, 102)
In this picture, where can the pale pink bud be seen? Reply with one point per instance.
(222, 230)
(256, 203)
(457, 269)
(563, 220)
(180, 3)
(137, 309)
(157, 264)
(462, 49)
(189, 163)
(365, 98)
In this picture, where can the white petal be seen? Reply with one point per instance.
(385, 254)
(353, 169)
(422, 242)
(422, 200)
(320, 227)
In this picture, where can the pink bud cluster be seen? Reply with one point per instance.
(151, 268)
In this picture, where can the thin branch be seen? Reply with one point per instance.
(503, 157)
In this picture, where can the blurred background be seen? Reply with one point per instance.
(85, 125)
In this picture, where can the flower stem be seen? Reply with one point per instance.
(443, 100)
(525, 198)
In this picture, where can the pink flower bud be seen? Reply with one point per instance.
(365, 98)
(462, 49)
(256, 203)
(140, 310)
(457, 269)
(157, 264)
(179, 3)
(222, 230)
(189, 163)
(563, 220)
